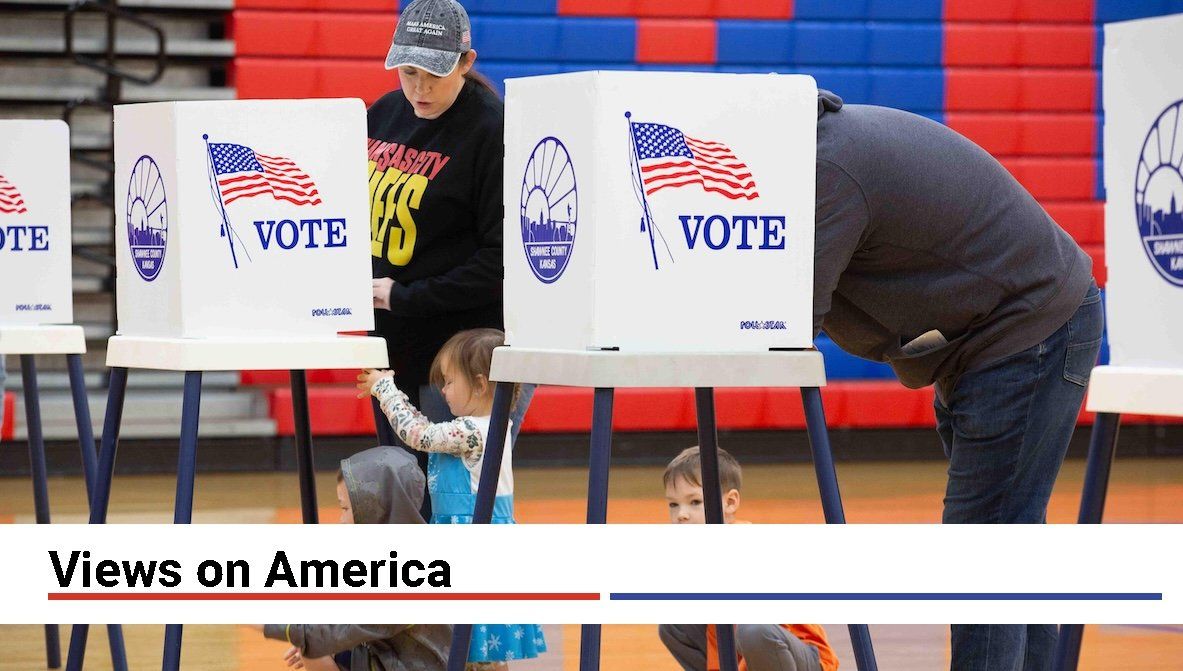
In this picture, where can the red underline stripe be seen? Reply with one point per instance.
(324, 596)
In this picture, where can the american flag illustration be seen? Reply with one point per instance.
(669, 158)
(11, 201)
(242, 173)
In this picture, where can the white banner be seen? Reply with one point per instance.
(898, 574)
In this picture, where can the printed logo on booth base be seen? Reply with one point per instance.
(549, 209)
(1158, 194)
(147, 218)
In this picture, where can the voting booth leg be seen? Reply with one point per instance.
(827, 484)
(53, 653)
(172, 647)
(187, 457)
(109, 444)
(823, 458)
(486, 493)
(36, 442)
(599, 460)
(1102, 449)
(304, 446)
(100, 497)
(1068, 647)
(494, 449)
(458, 651)
(708, 450)
(600, 457)
(82, 419)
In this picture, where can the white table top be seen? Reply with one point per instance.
(193, 354)
(66, 339)
(798, 368)
(1143, 391)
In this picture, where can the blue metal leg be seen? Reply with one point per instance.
(36, 441)
(183, 513)
(458, 652)
(78, 635)
(89, 452)
(1102, 450)
(53, 644)
(712, 493)
(116, 392)
(601, 456)
(99, 499)
(304, 446)
(485, 495)
(187, 458)
(823, 458)
(827, 484)
(589, 647)
(86, 442)
(597, 504)
(1068, 647)
(172, 647)
(494, 450)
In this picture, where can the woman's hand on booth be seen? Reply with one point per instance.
(368, 378)
(382, 286)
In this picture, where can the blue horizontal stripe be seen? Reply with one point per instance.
(886, 596)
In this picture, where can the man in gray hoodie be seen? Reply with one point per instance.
(931, 257)
(385, 486)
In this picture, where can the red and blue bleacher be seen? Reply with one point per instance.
(1019, 77)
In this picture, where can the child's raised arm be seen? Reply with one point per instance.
(460, 437)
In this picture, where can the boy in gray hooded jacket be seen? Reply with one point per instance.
(383, 485)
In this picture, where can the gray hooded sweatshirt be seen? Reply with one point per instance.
(385, 486)
(919, 229)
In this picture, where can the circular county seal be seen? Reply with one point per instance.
(1158, 194)
(549, 209)
(147, 218)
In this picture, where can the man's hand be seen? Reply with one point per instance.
(382, 287)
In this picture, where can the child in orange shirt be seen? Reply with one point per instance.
(762, 647)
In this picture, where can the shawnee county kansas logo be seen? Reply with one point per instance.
(549, 209)
(663, 157)
(147, 218)
(1158, 194)
(237, 172)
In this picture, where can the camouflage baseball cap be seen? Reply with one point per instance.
(431, 34)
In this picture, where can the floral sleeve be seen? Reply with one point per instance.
(460, 437)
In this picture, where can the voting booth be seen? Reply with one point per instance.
(1142, 93)
(659, 211)
(242, 218)
(35, 279)
(659, 233)
(243, 242)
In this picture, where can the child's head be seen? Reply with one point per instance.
(382, 485)
(461, 370)
(683, 486)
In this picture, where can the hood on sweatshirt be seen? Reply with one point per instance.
(827, 101)
(385, 486)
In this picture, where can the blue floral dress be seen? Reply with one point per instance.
(453, 469)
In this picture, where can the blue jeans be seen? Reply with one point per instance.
(1005, 429)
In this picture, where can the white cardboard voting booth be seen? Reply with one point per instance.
(35, 268)
(1143, 99)
(242, 219)
(1143, 136)
(659, 212)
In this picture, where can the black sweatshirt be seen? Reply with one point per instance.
(919, 229)
(436, 217)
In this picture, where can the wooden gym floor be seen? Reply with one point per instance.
(1143, 490)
